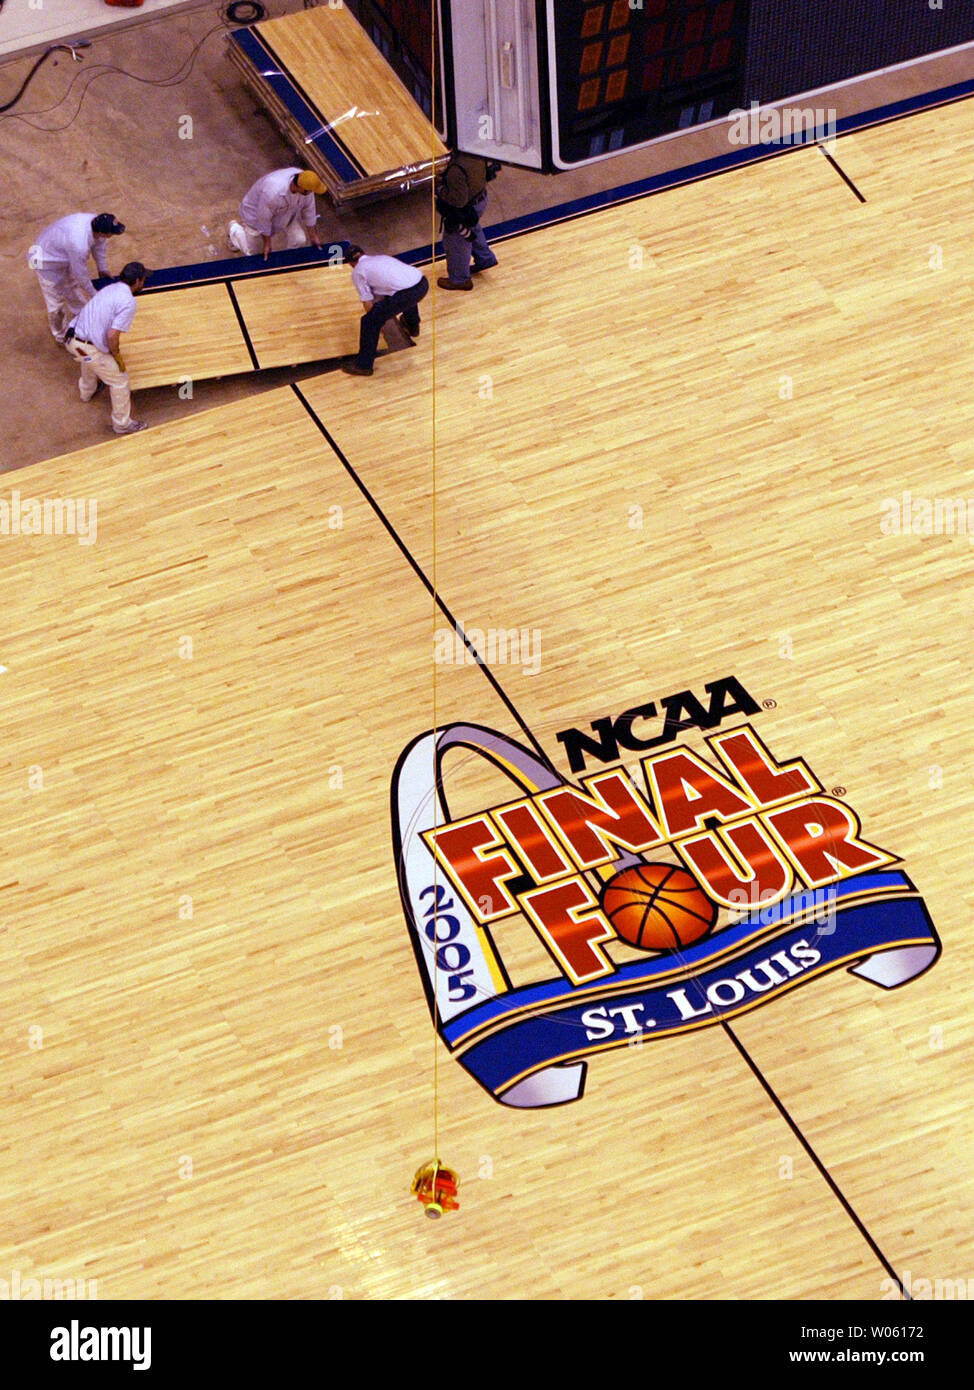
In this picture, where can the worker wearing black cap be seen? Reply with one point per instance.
(60, 258)
(386, 287)
(94, 341)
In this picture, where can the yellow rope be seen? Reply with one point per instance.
(433, 144)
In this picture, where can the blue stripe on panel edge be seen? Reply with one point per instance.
(310, 120)
(245, 266)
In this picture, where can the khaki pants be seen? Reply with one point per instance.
(64, 299)
(101, 366)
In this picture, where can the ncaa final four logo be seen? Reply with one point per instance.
(670, 894)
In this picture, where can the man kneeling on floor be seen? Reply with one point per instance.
(280, 205)
(93, 340)
(386, 287)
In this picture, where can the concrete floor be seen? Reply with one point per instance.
(86, 136)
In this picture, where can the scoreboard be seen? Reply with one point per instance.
(623, 75)
(552, 84)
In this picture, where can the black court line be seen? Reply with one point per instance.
(421, 574)
(523, 726)
(243, 326)
(230, 269)
(837, 1191)
(842, 173)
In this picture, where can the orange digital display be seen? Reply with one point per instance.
(625, 73)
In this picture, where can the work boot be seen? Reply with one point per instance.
(446, 284)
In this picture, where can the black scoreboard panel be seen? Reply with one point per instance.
(554, 83)
(801, 45)
(624, 75)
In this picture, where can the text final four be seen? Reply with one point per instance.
(744, 825)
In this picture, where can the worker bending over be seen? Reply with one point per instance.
(94, 341)
(60, 258)
(386, 287)
(281, 205)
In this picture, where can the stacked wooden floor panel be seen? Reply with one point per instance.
(338, 103)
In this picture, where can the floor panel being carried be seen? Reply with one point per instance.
(282, 318)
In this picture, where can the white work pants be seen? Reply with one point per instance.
(101, 366)
(64, 299)
(251, 243)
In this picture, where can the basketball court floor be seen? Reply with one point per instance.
(676, 441)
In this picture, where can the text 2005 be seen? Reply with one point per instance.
(451, 956)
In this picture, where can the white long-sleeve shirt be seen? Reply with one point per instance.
(269, 207)
(61, 251)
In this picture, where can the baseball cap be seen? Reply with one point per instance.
(107, 225)
(310, 183)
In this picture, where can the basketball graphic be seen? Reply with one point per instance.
(658, 907)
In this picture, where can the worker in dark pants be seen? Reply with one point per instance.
(386, 287)
(461, 197)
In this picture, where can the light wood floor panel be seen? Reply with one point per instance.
(914, 164)
(664, 438)
(303, 316)
(205, 781)
(912, 175)
(192, 333)
(328, 53)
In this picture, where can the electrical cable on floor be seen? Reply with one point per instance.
(102, 70)
(241, 12)
(245, 12)
(54, 48)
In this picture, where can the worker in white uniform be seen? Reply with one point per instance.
(282, 205)
(60, 258)
(386, 287)
(94, 341)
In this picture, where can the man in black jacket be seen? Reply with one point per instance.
(461, 196)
